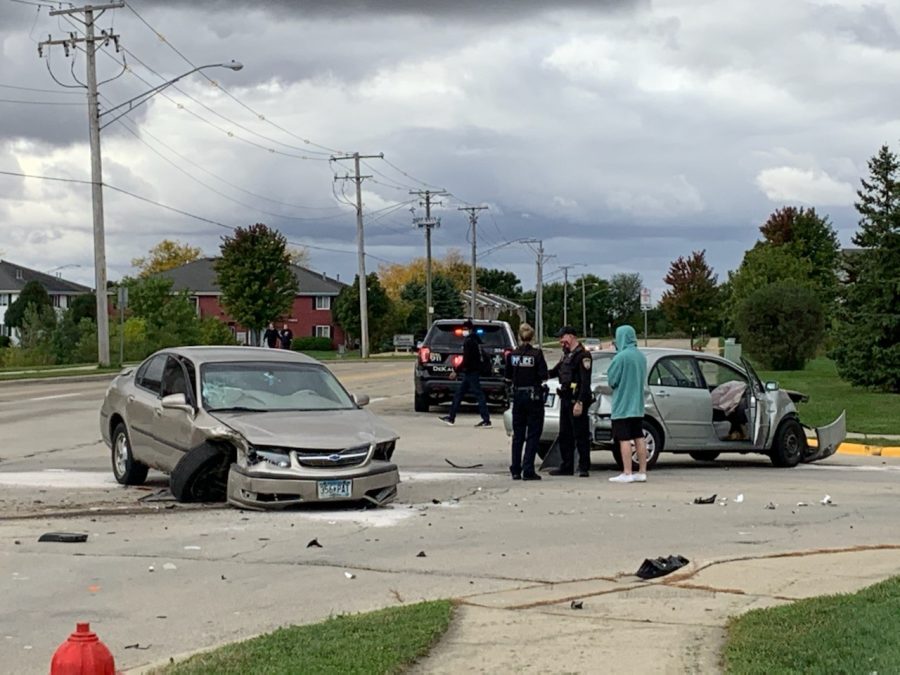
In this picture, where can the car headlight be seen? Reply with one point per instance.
(384, 450)
(274, 456)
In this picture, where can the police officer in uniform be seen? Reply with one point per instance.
(575, 397)
(526, 372)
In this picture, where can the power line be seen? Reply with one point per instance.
(43, 91)
(9, 100)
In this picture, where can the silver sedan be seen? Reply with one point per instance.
(262, 428)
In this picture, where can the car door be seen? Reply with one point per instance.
(761, 408)
(731, 426)
(140, 405)
(174, 427)
(683, 401)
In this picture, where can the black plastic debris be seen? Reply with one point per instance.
(137, 645)
(64, 537)
(314, 544)
(420, 554)
(460, 466)
(705, 500)
(652, 568)
(435, 501)
(577, 604)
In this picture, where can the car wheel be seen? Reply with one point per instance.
(421, 403)
(201, 475)
(654, 447)
(705, 456)
(126, 469)
(789, 444)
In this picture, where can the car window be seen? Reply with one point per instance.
(174, 380)
(149, 375)
(675, 372)
(267, 386)
(715, 373)
(449, 337)
(601, 364)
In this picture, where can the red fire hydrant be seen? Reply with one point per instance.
(82, 654)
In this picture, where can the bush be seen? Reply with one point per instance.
(781, 325)
(311, 344)
(5, 341)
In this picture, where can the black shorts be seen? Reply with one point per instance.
(627, 428)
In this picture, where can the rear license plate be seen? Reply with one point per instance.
(441, 369)
(335, 489)
(551, 401)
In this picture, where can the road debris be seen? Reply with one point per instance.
(771, 506)
(421, 554)
(170, 566)
(459, 466)
(64, 537)
(739, 499)
(191, 548)
(349, 575)
(137, 645)
(576, 604)
(802, 504)
(314, 543)
(658, 567)
(705, 500)
(151, 568)
(826, 500)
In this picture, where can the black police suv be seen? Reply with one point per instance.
(440, 354)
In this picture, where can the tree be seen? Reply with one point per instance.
(33, 295)
(781, 325)
(346, 308)
(693, 300)
(867, 350)
(169, 318)
(452, 266)
(625, 297)
(255, 276)
(300, 256)
(499, 282)
(83, 306)
(166, 255)
(444, 296)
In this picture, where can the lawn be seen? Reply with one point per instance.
(868, 412)
(377, 642)
(832, 634)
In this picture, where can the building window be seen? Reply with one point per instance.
(323, 331)
(4, 299)
(323, 302)
(19, 274)
(56, 300)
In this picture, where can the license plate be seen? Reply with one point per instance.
(551, 401)
(335, 489)
(441, 369)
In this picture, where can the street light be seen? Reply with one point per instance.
(94, 117)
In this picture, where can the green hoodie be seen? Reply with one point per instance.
(627, 376)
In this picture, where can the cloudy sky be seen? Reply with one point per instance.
(623, 133)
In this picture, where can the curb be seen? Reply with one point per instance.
(868, 450)
(60, 378)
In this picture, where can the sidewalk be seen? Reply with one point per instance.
(671, 625)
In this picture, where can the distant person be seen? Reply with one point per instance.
(575, 397)
(286, 336)
(526, 373)
(627, 375)
(471, 369)
(270, 337)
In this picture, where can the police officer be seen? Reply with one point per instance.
(526, 372)
(575, 396)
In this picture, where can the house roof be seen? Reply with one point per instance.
(11, 283)
(199, 276)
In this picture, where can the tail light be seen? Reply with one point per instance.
(424, 354)
(456, 360)
(506, 353)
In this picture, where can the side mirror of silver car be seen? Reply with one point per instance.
(771, 385)
(361, 399)
(176, 402)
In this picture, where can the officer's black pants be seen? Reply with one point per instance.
(573, 432)
(528, 423)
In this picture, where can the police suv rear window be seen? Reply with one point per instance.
(449, 336)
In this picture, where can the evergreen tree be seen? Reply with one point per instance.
(33, 295)
(867, 348)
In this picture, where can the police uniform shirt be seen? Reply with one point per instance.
(526, 367)
(574, 373)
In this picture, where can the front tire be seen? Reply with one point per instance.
(201, 475)
(421, 403)
(789, 444)
(654, 447)
(126, 469)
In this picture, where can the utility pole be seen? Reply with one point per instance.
(90, 41)
(584, 328)
(565, 269)
(360, 248)
(428, 223)
(539, 289)
(473, 220)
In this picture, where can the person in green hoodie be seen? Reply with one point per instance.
(627, 376)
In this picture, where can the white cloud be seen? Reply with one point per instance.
(807, 186)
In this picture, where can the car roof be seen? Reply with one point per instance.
(497, 322)
(220, 354)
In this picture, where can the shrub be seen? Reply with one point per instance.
(781, 325)
(311, 344)
(5, 341)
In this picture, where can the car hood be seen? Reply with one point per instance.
(309, 429)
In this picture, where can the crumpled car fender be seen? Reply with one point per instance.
(829, 438)
(201, 475)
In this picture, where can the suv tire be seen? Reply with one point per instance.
(421, 403)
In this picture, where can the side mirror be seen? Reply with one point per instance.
(419, 344)
(361, 399)
(771, 385)
(176, 402)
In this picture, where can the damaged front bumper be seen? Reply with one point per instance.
(376, 482)
(828, 439)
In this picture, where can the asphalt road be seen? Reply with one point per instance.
(237, 573)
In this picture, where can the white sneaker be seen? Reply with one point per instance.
(639, 477)
(622, 478)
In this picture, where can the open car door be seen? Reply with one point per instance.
(759, 405)
(828, 438)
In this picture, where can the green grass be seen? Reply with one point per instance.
(833, 634)
(377, 642)
(868, 412)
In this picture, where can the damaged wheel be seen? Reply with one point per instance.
(789, 444)
(126, 469)
(201, 475)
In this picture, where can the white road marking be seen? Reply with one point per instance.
(59, 478)
(827, 467)
(49, 398)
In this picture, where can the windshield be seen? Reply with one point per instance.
(449, 337)
(601, 365)
(267, 386)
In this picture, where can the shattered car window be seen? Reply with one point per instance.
(267, 386)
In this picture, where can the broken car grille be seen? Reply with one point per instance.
(332, 458)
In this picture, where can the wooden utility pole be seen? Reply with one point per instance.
(473, 221)
(428, 223)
